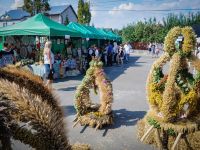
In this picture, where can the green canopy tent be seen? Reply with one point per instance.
(81, 29)
(96, 32)
(117, 37)
(109, 36)
(89, 32)
(38, 25)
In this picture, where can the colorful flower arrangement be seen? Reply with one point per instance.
(174, 98)
(87, 112)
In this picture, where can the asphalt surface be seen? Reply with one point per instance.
(129, 106)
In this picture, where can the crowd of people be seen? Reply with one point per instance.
(154, 49)
(110, 53)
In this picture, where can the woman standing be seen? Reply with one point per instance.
(115, 52)
(120, 55)
(48, 63)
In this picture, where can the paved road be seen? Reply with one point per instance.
(129, 106)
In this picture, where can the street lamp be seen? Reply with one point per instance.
(5, 18)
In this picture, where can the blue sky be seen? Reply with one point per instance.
(103, 16)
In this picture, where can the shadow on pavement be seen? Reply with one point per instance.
(79, 78)
(73, 88)
(69, 110)
(123, 117)
(115, 71)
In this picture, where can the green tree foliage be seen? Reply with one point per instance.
(81, 11)
(153, 31)
(66, 20)
(28, 6)
(87, 13)
(84, 14)
(36, 6)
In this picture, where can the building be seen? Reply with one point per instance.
(57, 13)
(61, 13)
(13, 16)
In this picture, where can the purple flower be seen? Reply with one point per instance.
(105, 81)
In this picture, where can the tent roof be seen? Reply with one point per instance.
(38, 25)
(117, 37)
(87, 31)
(96, 32)
(80, 28)
(109, 36)
(112, 34)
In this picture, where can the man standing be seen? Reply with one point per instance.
(110, 52)
(127, 48)
(115, 52)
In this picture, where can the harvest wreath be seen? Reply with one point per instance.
(87, 112)
(174, 98)
(29, 112)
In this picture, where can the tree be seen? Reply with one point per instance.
(81, 11)
(87, 13)
(152, 31)
(84, 14)
(66, 20)
(28, 6)
(36, 6)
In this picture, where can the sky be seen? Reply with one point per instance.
(119, 13)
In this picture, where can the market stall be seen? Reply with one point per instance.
(30, 35)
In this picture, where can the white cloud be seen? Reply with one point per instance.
(125, 6)
(17, 3)
(119, 18)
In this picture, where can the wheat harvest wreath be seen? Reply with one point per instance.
(173, 120)
(29, 112)
(88, 113)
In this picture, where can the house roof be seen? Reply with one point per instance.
(16, 14)
(58, 9)
(19, 13)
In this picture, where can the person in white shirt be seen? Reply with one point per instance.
(149, 48)
(48, 63)
(90, 51)
(157, 50)
(127, 48)
(96, 52)
(115, 51)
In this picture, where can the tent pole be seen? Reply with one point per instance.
(98, 42)
(81, 43)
